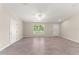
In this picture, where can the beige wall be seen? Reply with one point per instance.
(16, 30)
(28, 32)
(5, 38)
(4, 28)
(70, 28)
(19, 31)
(56, 29)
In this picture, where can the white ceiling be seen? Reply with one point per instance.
(53, 12)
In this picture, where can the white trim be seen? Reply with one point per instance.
(15, 41)
(4, 47)
(9, 44)
(70, 39)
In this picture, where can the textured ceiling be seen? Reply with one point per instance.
(53, 12)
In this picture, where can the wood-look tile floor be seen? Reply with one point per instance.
(42, 46)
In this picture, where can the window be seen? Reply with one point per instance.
(38, 28)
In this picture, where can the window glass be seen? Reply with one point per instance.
(38, 28)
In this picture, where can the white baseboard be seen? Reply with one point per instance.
(4, 47)
(16, 41)
(38, 36)
(9, 44)
(70, 39)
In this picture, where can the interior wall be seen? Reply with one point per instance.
(70, 28)
(50, 29)
(56, 29)
(4, 28)
(19, 31)
(5, 33)
(16, 30)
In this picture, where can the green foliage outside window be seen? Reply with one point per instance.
(38, 28)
